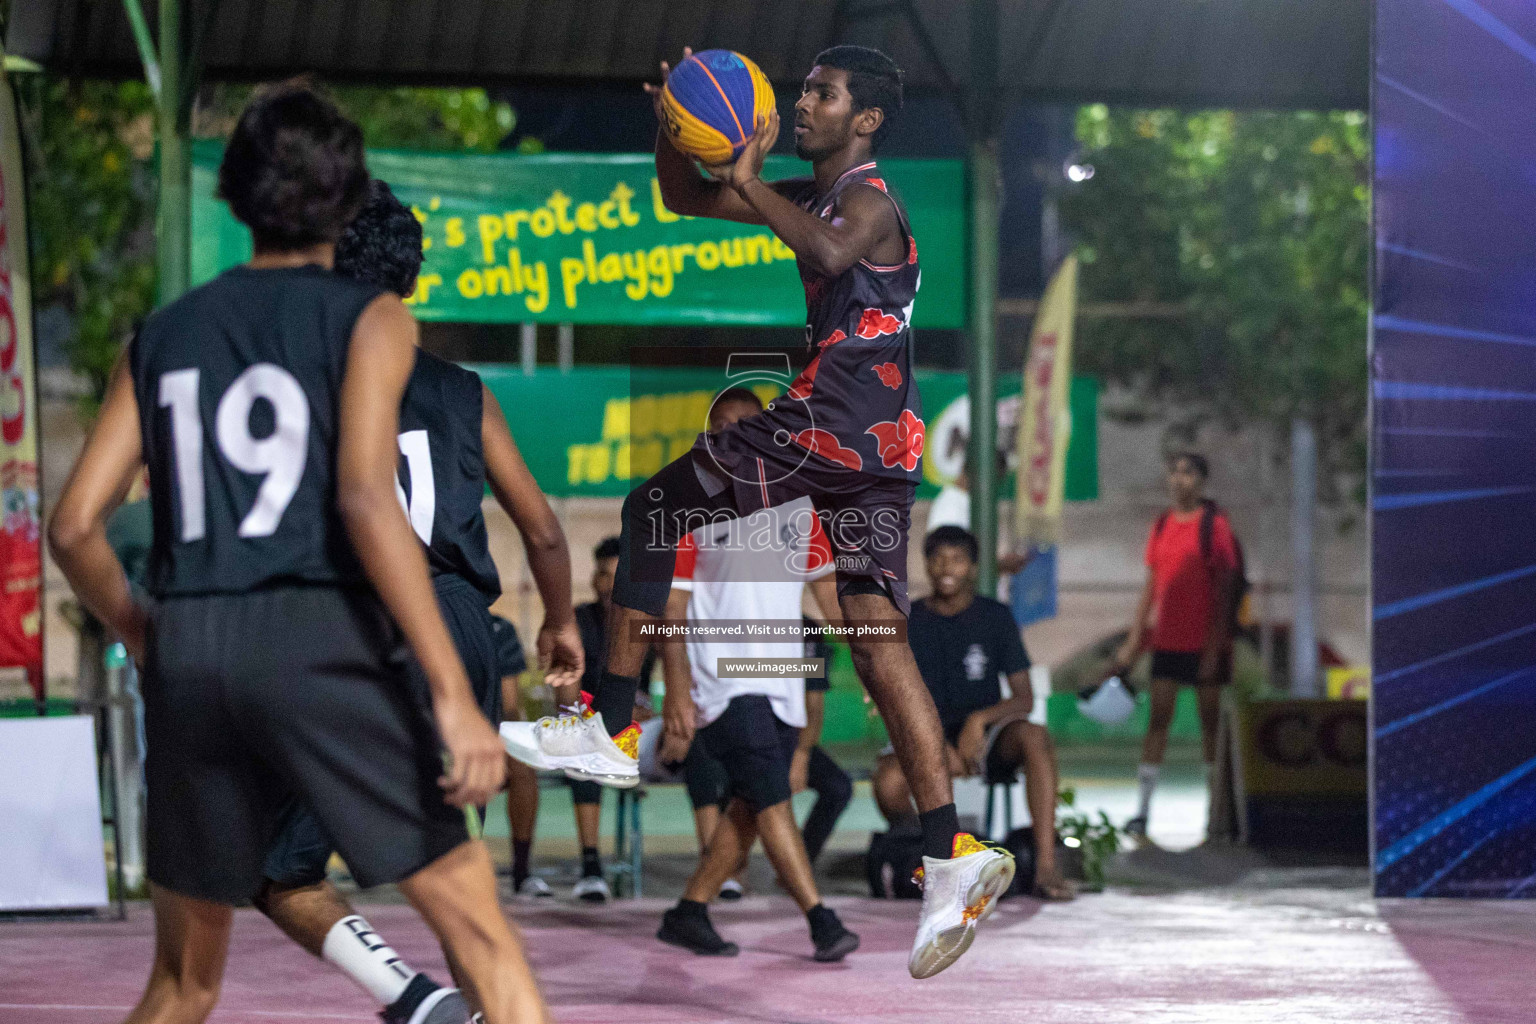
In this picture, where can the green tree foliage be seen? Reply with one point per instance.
(90, 197)
(1257, 225)
(91, 187)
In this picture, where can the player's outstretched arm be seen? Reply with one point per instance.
(863, 226)
(77, 530)
(379, 361)
(549, 558)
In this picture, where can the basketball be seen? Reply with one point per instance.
(712, 102)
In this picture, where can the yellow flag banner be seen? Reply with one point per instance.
(21, 639)
(1045, 419)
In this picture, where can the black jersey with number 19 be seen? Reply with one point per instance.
(238, 398)
(442, 469)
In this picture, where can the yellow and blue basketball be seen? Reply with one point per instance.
(712, 102)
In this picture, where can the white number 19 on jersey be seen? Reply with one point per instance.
(279, 457)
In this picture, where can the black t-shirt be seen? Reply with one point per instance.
(441, 453)
(511, 659)
(960, 656)
(238, 385)
(594, 641)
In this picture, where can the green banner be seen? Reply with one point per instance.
(596, 431)
(584, 238)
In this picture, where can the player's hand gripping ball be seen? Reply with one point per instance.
(712, 102)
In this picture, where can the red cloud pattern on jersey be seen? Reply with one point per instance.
(889, 374)
(900, 441)
(876, 322)
(879, 183)
(800, 390)
(825, 444)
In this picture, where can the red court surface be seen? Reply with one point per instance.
(1286, 954)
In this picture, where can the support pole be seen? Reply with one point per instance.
(146, 44)
(565, 347)
(529, 343)
(984, 182)
(174, 221)
(1304, 558)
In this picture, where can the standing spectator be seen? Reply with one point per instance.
(810, 767)
(1187, 603)
(752, 569)
(964, 644)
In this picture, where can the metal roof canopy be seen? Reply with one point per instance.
(1271, 53)
(986, 54)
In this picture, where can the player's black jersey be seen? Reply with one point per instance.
(238, 386)
(855, 402)
(442, 471)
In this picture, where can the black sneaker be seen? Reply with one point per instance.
(693, 932)
(424, 1001)
(833, 941)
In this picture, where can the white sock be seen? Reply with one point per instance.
(357, 949)
(1146, 782)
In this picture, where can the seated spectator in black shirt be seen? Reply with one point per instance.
(963, 643)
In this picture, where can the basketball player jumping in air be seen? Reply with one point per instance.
(453, 440)
(266, 405)
(847, 434)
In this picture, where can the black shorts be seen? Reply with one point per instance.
(705, 778)
(997, 769)
(866, 517)
(249, 698)
(300, 852)
(1184, 667)
(755, 749)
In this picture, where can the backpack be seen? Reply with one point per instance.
(893, 859)
(1209, 511)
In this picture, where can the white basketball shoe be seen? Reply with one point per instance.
(958, 894)
(578, 744)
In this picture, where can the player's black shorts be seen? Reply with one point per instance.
(249, 698)
(997, 768)
(755, 749)
(866, 517)
(705, 778)
(300, 852)
(1184, 667)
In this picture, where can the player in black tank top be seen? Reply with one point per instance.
(442, 469)
(848, 434)
(468, 448)
(441, 484)
(266, 406)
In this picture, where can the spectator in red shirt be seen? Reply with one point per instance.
(1186, 608)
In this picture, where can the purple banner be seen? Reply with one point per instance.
(1454, 449)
